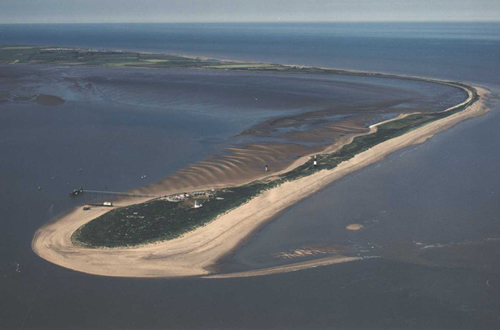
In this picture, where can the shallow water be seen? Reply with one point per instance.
(194, 113)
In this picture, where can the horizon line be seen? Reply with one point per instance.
(262, 22)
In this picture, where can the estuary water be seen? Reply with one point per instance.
(430, 213)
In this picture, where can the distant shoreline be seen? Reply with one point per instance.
(194, 252)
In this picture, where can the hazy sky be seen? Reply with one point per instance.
(81, 11)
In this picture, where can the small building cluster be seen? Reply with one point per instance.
(198, 197)
(197, 194)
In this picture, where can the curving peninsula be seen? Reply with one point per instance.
(187, 232)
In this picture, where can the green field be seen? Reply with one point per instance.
(87, 57)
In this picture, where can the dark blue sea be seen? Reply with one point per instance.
(430, 213)
(456, 50)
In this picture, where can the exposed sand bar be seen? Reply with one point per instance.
(289, 268)
(194, 253)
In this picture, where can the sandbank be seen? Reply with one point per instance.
(354, 227)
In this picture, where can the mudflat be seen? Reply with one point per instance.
(45, 99)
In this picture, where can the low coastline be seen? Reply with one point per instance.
(196, 251)
(163, 219)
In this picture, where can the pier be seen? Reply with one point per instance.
(116, 193)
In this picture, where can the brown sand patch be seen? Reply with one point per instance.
(308, 251)
(45, 99)
(354, 226)
(327, 261)
(238, 166)
(247, 163)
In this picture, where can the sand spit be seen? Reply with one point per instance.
(197, 251)
(288, 268)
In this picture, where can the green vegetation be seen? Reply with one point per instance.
(67, 56)
(163, 220)
(87, 57)
(158, 220)
(70, 56)
(77, 56)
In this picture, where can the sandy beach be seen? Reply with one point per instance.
(196, 252)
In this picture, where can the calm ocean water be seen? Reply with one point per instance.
(443, 192)
(453, 50)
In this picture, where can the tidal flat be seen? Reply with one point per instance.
(238, 120)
